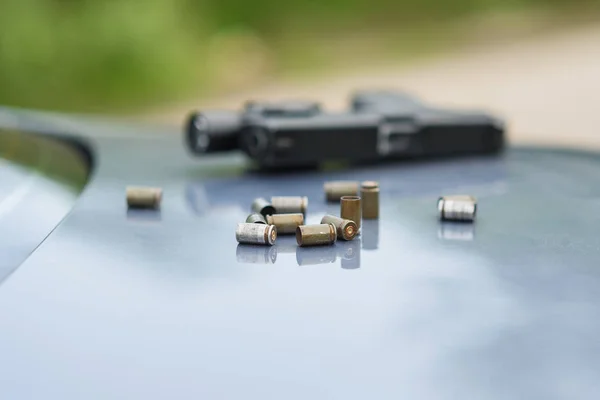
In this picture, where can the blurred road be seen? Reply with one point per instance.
(548, 88)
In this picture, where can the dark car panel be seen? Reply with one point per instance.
(166, 304)
(40, 180)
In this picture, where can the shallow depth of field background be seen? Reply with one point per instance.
(119, 56)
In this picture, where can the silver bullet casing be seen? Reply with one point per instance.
(457, 208)
(256, 218)
(250, 233)
(262, 207)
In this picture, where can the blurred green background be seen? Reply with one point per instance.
(122, 55)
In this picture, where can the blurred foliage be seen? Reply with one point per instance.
(118, 54)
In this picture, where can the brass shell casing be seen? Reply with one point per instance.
(286, 223)
(346, 229)
(316, 235)
(369, 193)
(335, 190)
(263, 207)
(290, 204)
(256, 234)
(143, 197)
(256, 218)
(351, 209)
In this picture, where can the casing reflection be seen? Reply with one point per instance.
(370, 234)
(316, 255)
(249, 254)
(143, 215)
(286, 245)
(349, 253)
(456, 231)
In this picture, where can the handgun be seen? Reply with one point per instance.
(378, 125)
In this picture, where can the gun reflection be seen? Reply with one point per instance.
(204, 196)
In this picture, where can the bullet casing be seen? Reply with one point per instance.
(335, 190)
(457, 208)
(143, 197)
(256, 218)
(316, 235)
(263, 207)
(290, 204)
(351, 209)
(286, 223)
(369, 194)
(346, 229)
(256, 234)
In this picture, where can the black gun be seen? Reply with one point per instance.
(379, 125)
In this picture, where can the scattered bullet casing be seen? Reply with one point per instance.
(346, 229)
(369, 194)
(351, 209)
(457, 208)
(256, 234)
(143, 197)
(290, 204)
(335, 190)
(316, 235)
(256, 218)
(263, 207)
(286, 223)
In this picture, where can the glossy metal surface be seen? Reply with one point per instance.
(163, 304)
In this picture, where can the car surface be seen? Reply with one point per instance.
(105, 302)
